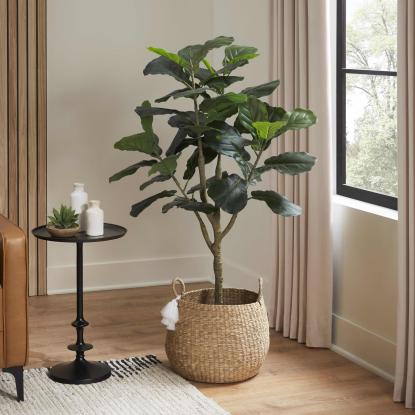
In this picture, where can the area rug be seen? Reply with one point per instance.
(137, 386)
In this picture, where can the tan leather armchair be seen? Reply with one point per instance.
(13, 302)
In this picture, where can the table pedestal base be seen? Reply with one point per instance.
(79, 372)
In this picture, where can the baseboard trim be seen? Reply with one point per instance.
(145, 272)
(141, 284)
(359, 327)
(362, 363)
(364, 347)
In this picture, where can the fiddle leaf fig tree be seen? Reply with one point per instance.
(219, 123)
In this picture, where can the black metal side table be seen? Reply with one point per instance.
(80, 371)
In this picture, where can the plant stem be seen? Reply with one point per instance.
(203, 228)
(217, 258)
(235, 215)
(218, 170)
(229, 225)
(201, 156)
(258, 156)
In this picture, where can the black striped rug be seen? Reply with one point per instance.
(138, 385)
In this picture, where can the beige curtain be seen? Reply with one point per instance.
(405, 358)
(304, 258)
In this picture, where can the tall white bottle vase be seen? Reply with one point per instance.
(94, 219)
(79, 203)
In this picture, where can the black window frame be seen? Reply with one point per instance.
(341, 70)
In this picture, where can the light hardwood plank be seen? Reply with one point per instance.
(295, 380)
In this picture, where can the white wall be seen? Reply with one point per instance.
(365, 287)
(96, 54)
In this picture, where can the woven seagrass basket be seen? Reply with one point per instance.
(219, 343)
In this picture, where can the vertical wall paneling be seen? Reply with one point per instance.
(23, 125)
(4, 176)
(41, 138)
(13, 162)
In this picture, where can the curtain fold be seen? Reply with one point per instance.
(405, 357)
(304, 258)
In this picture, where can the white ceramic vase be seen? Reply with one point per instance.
(94, 219)
(79, 203)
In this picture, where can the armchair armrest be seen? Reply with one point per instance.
(13, 280)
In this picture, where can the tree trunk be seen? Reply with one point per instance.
(217, 257)
(217, 268)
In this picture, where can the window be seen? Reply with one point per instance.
(366, 101)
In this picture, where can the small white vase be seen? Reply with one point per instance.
(79, 203)
(94, 219)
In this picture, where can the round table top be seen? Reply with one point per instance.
(111, 231)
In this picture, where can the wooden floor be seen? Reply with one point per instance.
(294, 380)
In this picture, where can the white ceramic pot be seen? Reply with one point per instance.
(79, 203)
(94, 219)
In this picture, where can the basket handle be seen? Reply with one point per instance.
(181, 282)
(260, 286)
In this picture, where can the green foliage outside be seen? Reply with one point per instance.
(371, 44)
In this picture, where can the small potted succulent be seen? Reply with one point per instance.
(222, 334)
(63, 223)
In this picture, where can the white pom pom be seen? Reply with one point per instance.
(170, 314)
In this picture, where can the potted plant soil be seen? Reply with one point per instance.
(63, 223)
(222, 334)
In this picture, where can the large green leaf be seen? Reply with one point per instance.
(229, 193)
(228, 68)
(165, 167)
(300, 118)
(164, 66)
(155, 179)
(226, 140)
(171, 95)
(289, 163)
(223, 101)
(223, 106)
(266, 130)
(251, 111)
(203, 74)
(192, 162)
(194, 54)
(145, 142)
(277, 203)
(197, 187)
(275, 113)
(179, 60)
(189, 204)
(190, 93)
(147, 121)
(147, 111)
(246, 168)
(236, 53)
(131, 170)
(219, 42)
(186, 119)
(177, 142)
(137, 208)
(262, 90)
(221, 82)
